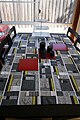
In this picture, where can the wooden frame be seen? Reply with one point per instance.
(78, 25)
(76, 16)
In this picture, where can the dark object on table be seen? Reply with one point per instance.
(50, 51)
(42, 50)
(42, 46)
(49, 48)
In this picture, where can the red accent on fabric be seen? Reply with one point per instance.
(29, 64)
(47, 56)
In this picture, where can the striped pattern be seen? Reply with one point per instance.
(33, 100)
(52, 84)
(10, 83)
(57, 72)
(56, 11)
(74, 83)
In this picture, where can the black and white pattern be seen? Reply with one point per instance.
(57, 81)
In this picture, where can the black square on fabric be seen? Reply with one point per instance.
(15, 66)
(48, 100)
(71, 67)
(9, 102)
(28, 85)
(2, 83)
(59, 93)
(65, 85)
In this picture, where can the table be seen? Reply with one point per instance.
(53, 90)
